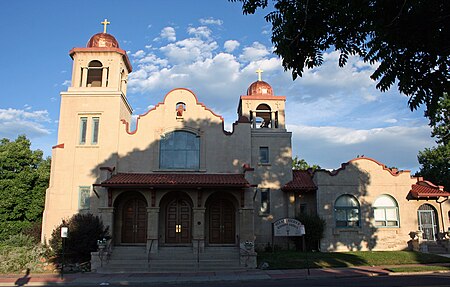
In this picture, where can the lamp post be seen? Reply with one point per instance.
(64, 233)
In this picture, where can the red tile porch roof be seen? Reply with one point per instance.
(301, 181)
(175, 180)
(425, 189)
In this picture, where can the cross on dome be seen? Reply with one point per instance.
(104, 23)
(259, 72)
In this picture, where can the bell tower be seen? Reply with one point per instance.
(262, 107)
(90, 121)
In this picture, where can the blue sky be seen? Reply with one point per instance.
(209, 47)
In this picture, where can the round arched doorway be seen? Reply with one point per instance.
(177, 218)
(131, 218)
(221, 214)
(428, 221)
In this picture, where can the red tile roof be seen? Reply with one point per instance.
(301, 181)
(425, 189)
(175, 180)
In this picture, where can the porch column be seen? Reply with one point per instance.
(247, 237)
(152, 229)
(291, 204)
(106, 214)
(198, 229)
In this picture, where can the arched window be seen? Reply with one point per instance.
(263, 117)
(385, 210)
(346, 210)
(94, 76)
(179, 150)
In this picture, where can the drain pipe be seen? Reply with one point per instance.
(442, 214)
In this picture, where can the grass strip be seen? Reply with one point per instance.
(418, 268)
(301, 260)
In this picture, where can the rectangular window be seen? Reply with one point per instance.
(84, 197)
(263, 154)
(95, 126)
(265, 201)
(83, 129)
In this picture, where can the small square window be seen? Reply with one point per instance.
(263, 154)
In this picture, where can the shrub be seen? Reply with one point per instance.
(84, 231)
(19, 252)
(314, 229)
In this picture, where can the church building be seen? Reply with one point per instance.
(180, 192)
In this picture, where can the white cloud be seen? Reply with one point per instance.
(138, 54)
(200, 32)
(67, 83)
(188, 50)
(211, 21)
(32, 123)
(230, 45)
(168, 33)
(255, 52)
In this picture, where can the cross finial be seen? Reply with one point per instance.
(106, 22)
(259, 72)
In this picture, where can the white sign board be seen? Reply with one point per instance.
(288, 227)
(64, 232)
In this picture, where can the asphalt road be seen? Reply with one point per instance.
(436, 280)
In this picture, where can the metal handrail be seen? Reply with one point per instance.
(150, 250)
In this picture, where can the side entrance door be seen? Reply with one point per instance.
(221, 222)
(427, 222)
(178, 222)
(134, 226)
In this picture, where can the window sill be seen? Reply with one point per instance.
(339, 230)
(87, 146)
(179, 170)
(264, 164)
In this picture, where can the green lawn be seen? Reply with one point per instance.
(293, 259)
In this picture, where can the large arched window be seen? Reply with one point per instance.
(94, 76)
(179, 150)
(385, 211)
(346, 210)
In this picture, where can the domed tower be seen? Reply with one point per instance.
(262, 107)
(89, 125)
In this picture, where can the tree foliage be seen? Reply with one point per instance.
(84, 231)
(301, 164)
(435, 162)
(409, 39)
(314, 230)
(24, 176)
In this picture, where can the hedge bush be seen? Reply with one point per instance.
(84, 231)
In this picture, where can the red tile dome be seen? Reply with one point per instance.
(259, 88)
(103, 40)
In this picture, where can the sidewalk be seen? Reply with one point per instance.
(125, 278)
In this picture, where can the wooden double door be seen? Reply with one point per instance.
(178, 222)
(221, 222)
(134, 221)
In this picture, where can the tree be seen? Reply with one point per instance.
(409, 40)
(435, 162)
(24, 176)
(301, 164)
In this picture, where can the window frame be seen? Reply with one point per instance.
(264, 159)
(95, 125)
(83, 130)
(183, 152)
(385, 209)
(349, 212)
(86, 205)
(264, 198)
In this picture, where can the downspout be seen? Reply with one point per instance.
(442, 214)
